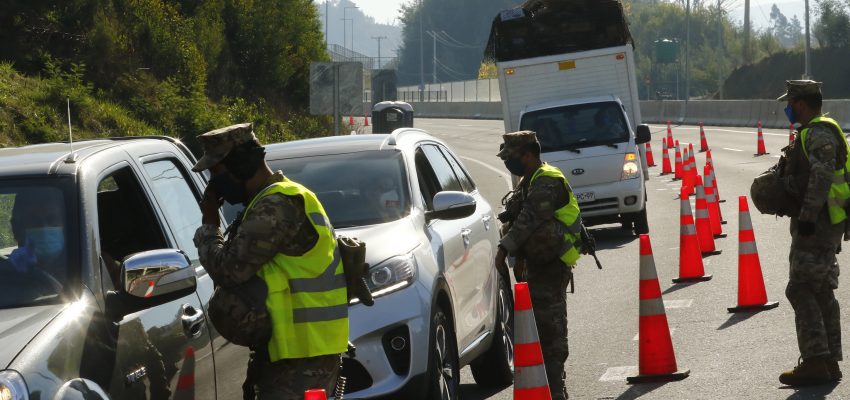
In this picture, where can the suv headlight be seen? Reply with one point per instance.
(12, 386)
(391, 275)
(630, 167)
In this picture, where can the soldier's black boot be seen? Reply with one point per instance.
(834, 371)
(811, 371)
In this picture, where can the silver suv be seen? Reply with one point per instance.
(430, 238)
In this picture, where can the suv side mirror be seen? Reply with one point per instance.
(643, 134)
(157, 273)
(450, 205)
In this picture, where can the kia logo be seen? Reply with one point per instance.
(578, 171)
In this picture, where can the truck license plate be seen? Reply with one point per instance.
(585, 197)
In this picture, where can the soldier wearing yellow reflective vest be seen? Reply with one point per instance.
(816, 235)
(283, 247)
(545, 238)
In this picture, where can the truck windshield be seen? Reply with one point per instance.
(35, 245)
(356, 189)
(577, 126)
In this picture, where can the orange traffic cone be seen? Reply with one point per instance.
(751, 293)
(315, 394)
(678, 174)
(693, 161)
(690, 260)
(687, 176)
(669, 135)
(365, 119)
(185, 389)
(703, 223)
(650, 160)
(666, 168)
(713, 208)
(703, 143)
(530, 380)
(708, 159)
(350, 120)
(760, 151)
(657, 361)
(791, 135)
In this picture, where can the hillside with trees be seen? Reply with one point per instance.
(178, 68)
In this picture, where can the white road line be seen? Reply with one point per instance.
(726, 148)
(637, 336)
(503, 174)
(754, 131)
(619, 374)
(678, 303)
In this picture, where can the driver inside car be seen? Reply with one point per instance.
(38, 226)
(383, 196)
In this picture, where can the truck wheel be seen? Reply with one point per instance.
(641, 222)
(495, 368)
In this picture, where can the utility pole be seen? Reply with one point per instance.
(746, 32)
(687, 53)
(379, 38)
(327, 8)
(808, 68)
(719, 50)
(421, 55)
(344, 33)
(434, 72)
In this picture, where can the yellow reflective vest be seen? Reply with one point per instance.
(569, 216)
(307, 298)
(839, 192)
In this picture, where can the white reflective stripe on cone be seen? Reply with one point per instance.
(744, 222)
(530, 377)
(525, 329)
(650, 307)
(746, 248)
(647, 268)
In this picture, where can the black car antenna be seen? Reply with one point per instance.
(72, 157)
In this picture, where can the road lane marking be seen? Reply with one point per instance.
(619, 374)
(637, 336)
(501, 173)
(678, 303)
(753, 132)
(726, 148)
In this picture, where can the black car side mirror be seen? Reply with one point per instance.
(643, 134)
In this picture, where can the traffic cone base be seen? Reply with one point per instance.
(720, 236)
(757, 307)
(675, 376)
(693, 279)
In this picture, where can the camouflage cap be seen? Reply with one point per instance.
(514, 143)
(796, 88)
(218, 143)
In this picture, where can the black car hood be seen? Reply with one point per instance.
(18, 326)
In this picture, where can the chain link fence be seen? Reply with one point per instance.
(481, 90)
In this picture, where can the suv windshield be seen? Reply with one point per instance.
(356, 189)
(577, 126)
(34, 233)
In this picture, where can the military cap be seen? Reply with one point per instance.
(796, 88)
(218, 143)
(515, 142)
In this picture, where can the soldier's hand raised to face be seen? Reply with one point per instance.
(209, 207)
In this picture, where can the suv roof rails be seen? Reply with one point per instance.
(392, 140)
(175, 141)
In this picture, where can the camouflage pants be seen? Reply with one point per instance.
(289, 379)
(811, 285)
(548, 286)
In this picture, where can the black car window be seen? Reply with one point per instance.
(178, 202)
(460, 172)
(126, 222)
(428, 184)
(442, 170)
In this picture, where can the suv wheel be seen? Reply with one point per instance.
(444, 368)
(641, 222)
(495, 368)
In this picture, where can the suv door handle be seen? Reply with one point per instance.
(465, 232)
(486, 220)
(193, 321)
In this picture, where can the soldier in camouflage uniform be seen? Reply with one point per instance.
(276, 224)
(815, 240)
(536, 239)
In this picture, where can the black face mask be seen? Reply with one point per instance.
(228, 188)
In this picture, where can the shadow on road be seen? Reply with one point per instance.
(737, 318)
(635, 391)
(814, 392)
(678, 286)
(612, 237)
(475, 392)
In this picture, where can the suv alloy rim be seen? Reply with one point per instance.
(444, 365)
(507, 327)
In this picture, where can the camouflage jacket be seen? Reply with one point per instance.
(536, 235)
(822, 147)
(276, 224)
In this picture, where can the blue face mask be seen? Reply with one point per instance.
(514, 165)
(46, 243)
(789, 112)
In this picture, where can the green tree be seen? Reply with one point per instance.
(833, 25)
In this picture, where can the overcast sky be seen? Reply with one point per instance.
(386, 11)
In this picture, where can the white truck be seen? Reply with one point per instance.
(584, 107)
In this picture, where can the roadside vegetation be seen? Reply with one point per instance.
(139, 67)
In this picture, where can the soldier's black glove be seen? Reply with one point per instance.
(806, 228)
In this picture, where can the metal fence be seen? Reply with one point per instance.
(481, 90)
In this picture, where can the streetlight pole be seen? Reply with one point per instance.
(746, 32)
(687, 53)
(421, 55)
(808, 68)
(345, 18)
(433, 35)
(379, 38)
(327, 11)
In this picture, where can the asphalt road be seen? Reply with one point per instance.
(730, 356)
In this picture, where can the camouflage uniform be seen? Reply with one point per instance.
(276, 224)
(814, 269)
(538, 238)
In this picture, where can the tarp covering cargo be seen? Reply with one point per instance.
(549, 27)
